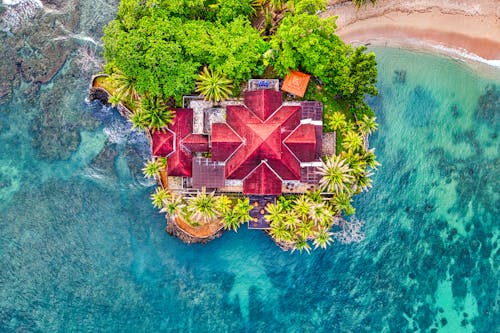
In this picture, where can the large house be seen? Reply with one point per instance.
(259, 146)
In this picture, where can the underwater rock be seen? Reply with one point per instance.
(488, 107)
(399, 76)
(104, 162)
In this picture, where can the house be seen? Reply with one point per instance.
(263, 146)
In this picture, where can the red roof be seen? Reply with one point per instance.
(171, 144)
(224, 141)
(163, 143)
(262, 124)
(196, 143)
(302, 142)
(263, 102)
(262, 180)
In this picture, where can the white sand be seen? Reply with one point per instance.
(464, 28)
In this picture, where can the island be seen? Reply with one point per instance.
(255, 111)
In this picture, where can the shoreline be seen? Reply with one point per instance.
(452, 28)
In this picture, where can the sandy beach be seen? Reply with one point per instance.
(467, 29)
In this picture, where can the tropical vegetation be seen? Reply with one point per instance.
(157, 51)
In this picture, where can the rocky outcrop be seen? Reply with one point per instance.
(174, 229)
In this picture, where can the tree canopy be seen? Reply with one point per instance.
(163, 45)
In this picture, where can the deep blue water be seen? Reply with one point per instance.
(82, 249)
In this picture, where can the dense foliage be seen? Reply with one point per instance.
(160, 50)
(163, 46)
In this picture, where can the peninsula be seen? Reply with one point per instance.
(255, 111)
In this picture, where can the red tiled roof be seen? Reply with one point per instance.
(163, 143)
(224, 141)
(302, 142)
(262, 180)
(170, 143)
(262, 130)
(296, 83)
(196, 143)
(263, 102)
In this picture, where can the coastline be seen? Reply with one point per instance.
(453, 27)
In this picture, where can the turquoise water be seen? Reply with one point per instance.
(82, 250)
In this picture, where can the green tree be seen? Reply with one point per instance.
(238, 215)
(202, 208)
(367, 125)
(158, 197)
(151, 169)
(352, 140)
(123, 85)
(358, 77)
(213, 86)
(336, 121)
(173, 205)
(307, 42)
(322, 238)
(275, 214)
(224, 204)
(336, 177)
(154, 113)
(302, 245)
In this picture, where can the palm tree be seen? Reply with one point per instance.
(114, 100)
(239, 214)
(153, 114)
(213, 85)
(368, 124)
(369, 158)
(336, 175)
(304, 229)
(352, 140)
(231, 221)
(280, 234)
(355, 161)
(321, 214)
(275, 214)
(302, 245)
(139, 121)
(123, 85)
(151, 169)
(342, 202)
(223, 204)
(290, 222)
(363, 181)
(158, 197)
(337, 121)
(203, 207)
(302, 207)
(322, 238)
(242, 210)
(173, 205)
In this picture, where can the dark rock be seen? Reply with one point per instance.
(443, 321)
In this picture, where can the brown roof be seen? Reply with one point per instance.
(296, 83)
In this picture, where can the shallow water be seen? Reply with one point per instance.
(82, 249)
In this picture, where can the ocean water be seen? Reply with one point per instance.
(82, 249)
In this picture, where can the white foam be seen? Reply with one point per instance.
(463, 54)
(17, 2)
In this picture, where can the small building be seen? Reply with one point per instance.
(296, 83)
